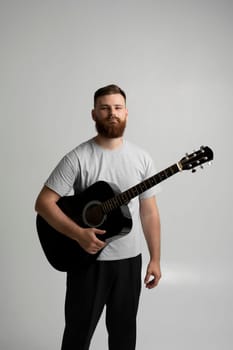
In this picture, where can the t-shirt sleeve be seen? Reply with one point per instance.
(150, 171)
(62, 178)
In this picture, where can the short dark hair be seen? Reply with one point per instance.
(108, 90)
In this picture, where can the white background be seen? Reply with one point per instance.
(174, 60)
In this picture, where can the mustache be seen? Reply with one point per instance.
(113, 117)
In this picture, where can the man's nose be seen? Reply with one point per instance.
(112, 111)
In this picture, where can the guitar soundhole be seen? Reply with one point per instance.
(93, 215)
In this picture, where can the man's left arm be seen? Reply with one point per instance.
(150, 220)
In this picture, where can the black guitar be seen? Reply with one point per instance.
(103, 206)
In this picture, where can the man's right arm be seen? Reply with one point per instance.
(46, 206)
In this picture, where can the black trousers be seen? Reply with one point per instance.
(114, 284)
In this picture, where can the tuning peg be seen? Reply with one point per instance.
(194, 170)
(202, 148)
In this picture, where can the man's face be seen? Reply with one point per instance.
(110, 115)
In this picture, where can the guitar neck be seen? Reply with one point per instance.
(126, 196)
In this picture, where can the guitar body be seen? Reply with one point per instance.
(85, 209)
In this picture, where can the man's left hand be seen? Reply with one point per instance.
(153, 275)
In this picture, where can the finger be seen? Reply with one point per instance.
(150, 279)
(92, 252)
(96, 249)
(99, 243)
(99, 232)
(151, 283)
(147, 277)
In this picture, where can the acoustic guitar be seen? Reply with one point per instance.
(104, 206)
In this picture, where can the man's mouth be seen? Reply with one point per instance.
(113, 121)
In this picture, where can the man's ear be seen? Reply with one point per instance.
(93, 115)
(127, 113)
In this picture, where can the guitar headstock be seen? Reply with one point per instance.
(197, 158)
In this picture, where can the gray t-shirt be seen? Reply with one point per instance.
(125, 166)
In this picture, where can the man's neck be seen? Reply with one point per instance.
(108, 143)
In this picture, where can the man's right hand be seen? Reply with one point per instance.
(89, 242)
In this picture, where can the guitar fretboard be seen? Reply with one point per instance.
(124, 197)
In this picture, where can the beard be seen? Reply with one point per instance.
(108, 130)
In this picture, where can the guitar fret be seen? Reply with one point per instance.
(133, 192)
(160, 176)
(115, 202)
(108, 205)
(104, 207)
(124, 197)
(143, 186)
(151, 182)
(169, 172)
(111, 203)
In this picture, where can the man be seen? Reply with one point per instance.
(114, 279)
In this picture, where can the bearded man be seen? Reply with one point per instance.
(113, 279)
